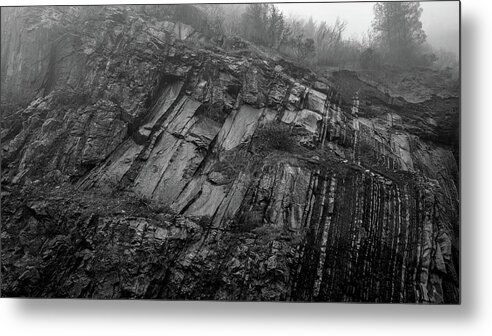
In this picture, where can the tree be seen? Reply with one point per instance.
(329, 41)
(276, 27)
(301, 48)
(264, 24)
(398, 30)
(254, 23)
(215, 18)
(310, 28)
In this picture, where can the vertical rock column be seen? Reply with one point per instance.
(369, 239)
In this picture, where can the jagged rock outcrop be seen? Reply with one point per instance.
(187, 169)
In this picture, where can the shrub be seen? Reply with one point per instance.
(300, 48)
(230, 165)
(276, 137)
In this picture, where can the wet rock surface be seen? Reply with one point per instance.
(179, 169)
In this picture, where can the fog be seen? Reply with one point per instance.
(440, 19)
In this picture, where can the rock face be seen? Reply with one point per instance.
(154, 163)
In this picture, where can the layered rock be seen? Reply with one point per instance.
(228, 175)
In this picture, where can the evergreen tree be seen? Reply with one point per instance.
(264, 24)
(254, 23)
(276, 27)
(399, 30)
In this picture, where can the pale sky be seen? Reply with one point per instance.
(440, 19)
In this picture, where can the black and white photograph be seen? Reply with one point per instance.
(290, 152)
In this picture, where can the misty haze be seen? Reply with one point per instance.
(440, 19)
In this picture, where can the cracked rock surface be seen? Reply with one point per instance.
(153, 163)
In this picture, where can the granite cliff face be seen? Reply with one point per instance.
(141, 159)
